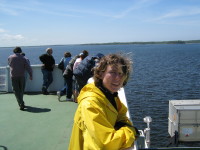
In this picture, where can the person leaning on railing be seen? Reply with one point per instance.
(47, 68)
(100, 121)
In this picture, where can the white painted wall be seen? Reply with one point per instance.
(35, 85)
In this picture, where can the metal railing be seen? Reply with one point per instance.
(4, 79)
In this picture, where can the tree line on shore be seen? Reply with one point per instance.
(151, 42)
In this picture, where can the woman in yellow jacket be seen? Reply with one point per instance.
(100, 121)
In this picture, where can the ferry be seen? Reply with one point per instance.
(46, 123)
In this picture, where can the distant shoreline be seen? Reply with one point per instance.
(122, 43)
(156, 42)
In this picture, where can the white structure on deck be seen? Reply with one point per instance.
(184, 120)
(34, 85)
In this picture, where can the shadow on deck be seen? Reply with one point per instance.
(45, 124)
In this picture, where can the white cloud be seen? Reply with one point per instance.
(36, 6)
(184, 12)
(7, 10)
(9, 37)
(138, 5)
(6, 37)
(2, 30)
(169, 15)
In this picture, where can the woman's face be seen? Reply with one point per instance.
(113, 78)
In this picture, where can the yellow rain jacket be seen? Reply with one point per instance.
(94, 123)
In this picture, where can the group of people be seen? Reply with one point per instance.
(70, 82)
(76, 72)
(100, 121)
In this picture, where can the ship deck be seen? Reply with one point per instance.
(44, 125)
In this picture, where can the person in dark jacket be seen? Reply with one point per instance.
(47, 68)
(84, 70)
(68, 73)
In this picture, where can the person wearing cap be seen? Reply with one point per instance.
(47, 67)
(18, 65)
(85, 69)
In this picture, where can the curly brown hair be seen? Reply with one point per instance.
(113, 60)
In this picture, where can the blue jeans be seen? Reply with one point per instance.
(63, 90)
(47, 78)
(67, 88)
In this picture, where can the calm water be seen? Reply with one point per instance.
(161, 73)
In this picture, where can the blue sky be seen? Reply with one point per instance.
(49, 22)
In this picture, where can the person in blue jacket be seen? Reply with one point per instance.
(67, 89)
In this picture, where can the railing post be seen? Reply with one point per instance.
(7, 76)
(147, 120)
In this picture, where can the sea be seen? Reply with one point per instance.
(161, 72)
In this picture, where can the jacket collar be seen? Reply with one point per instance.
(111, 97)
(93, 91)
